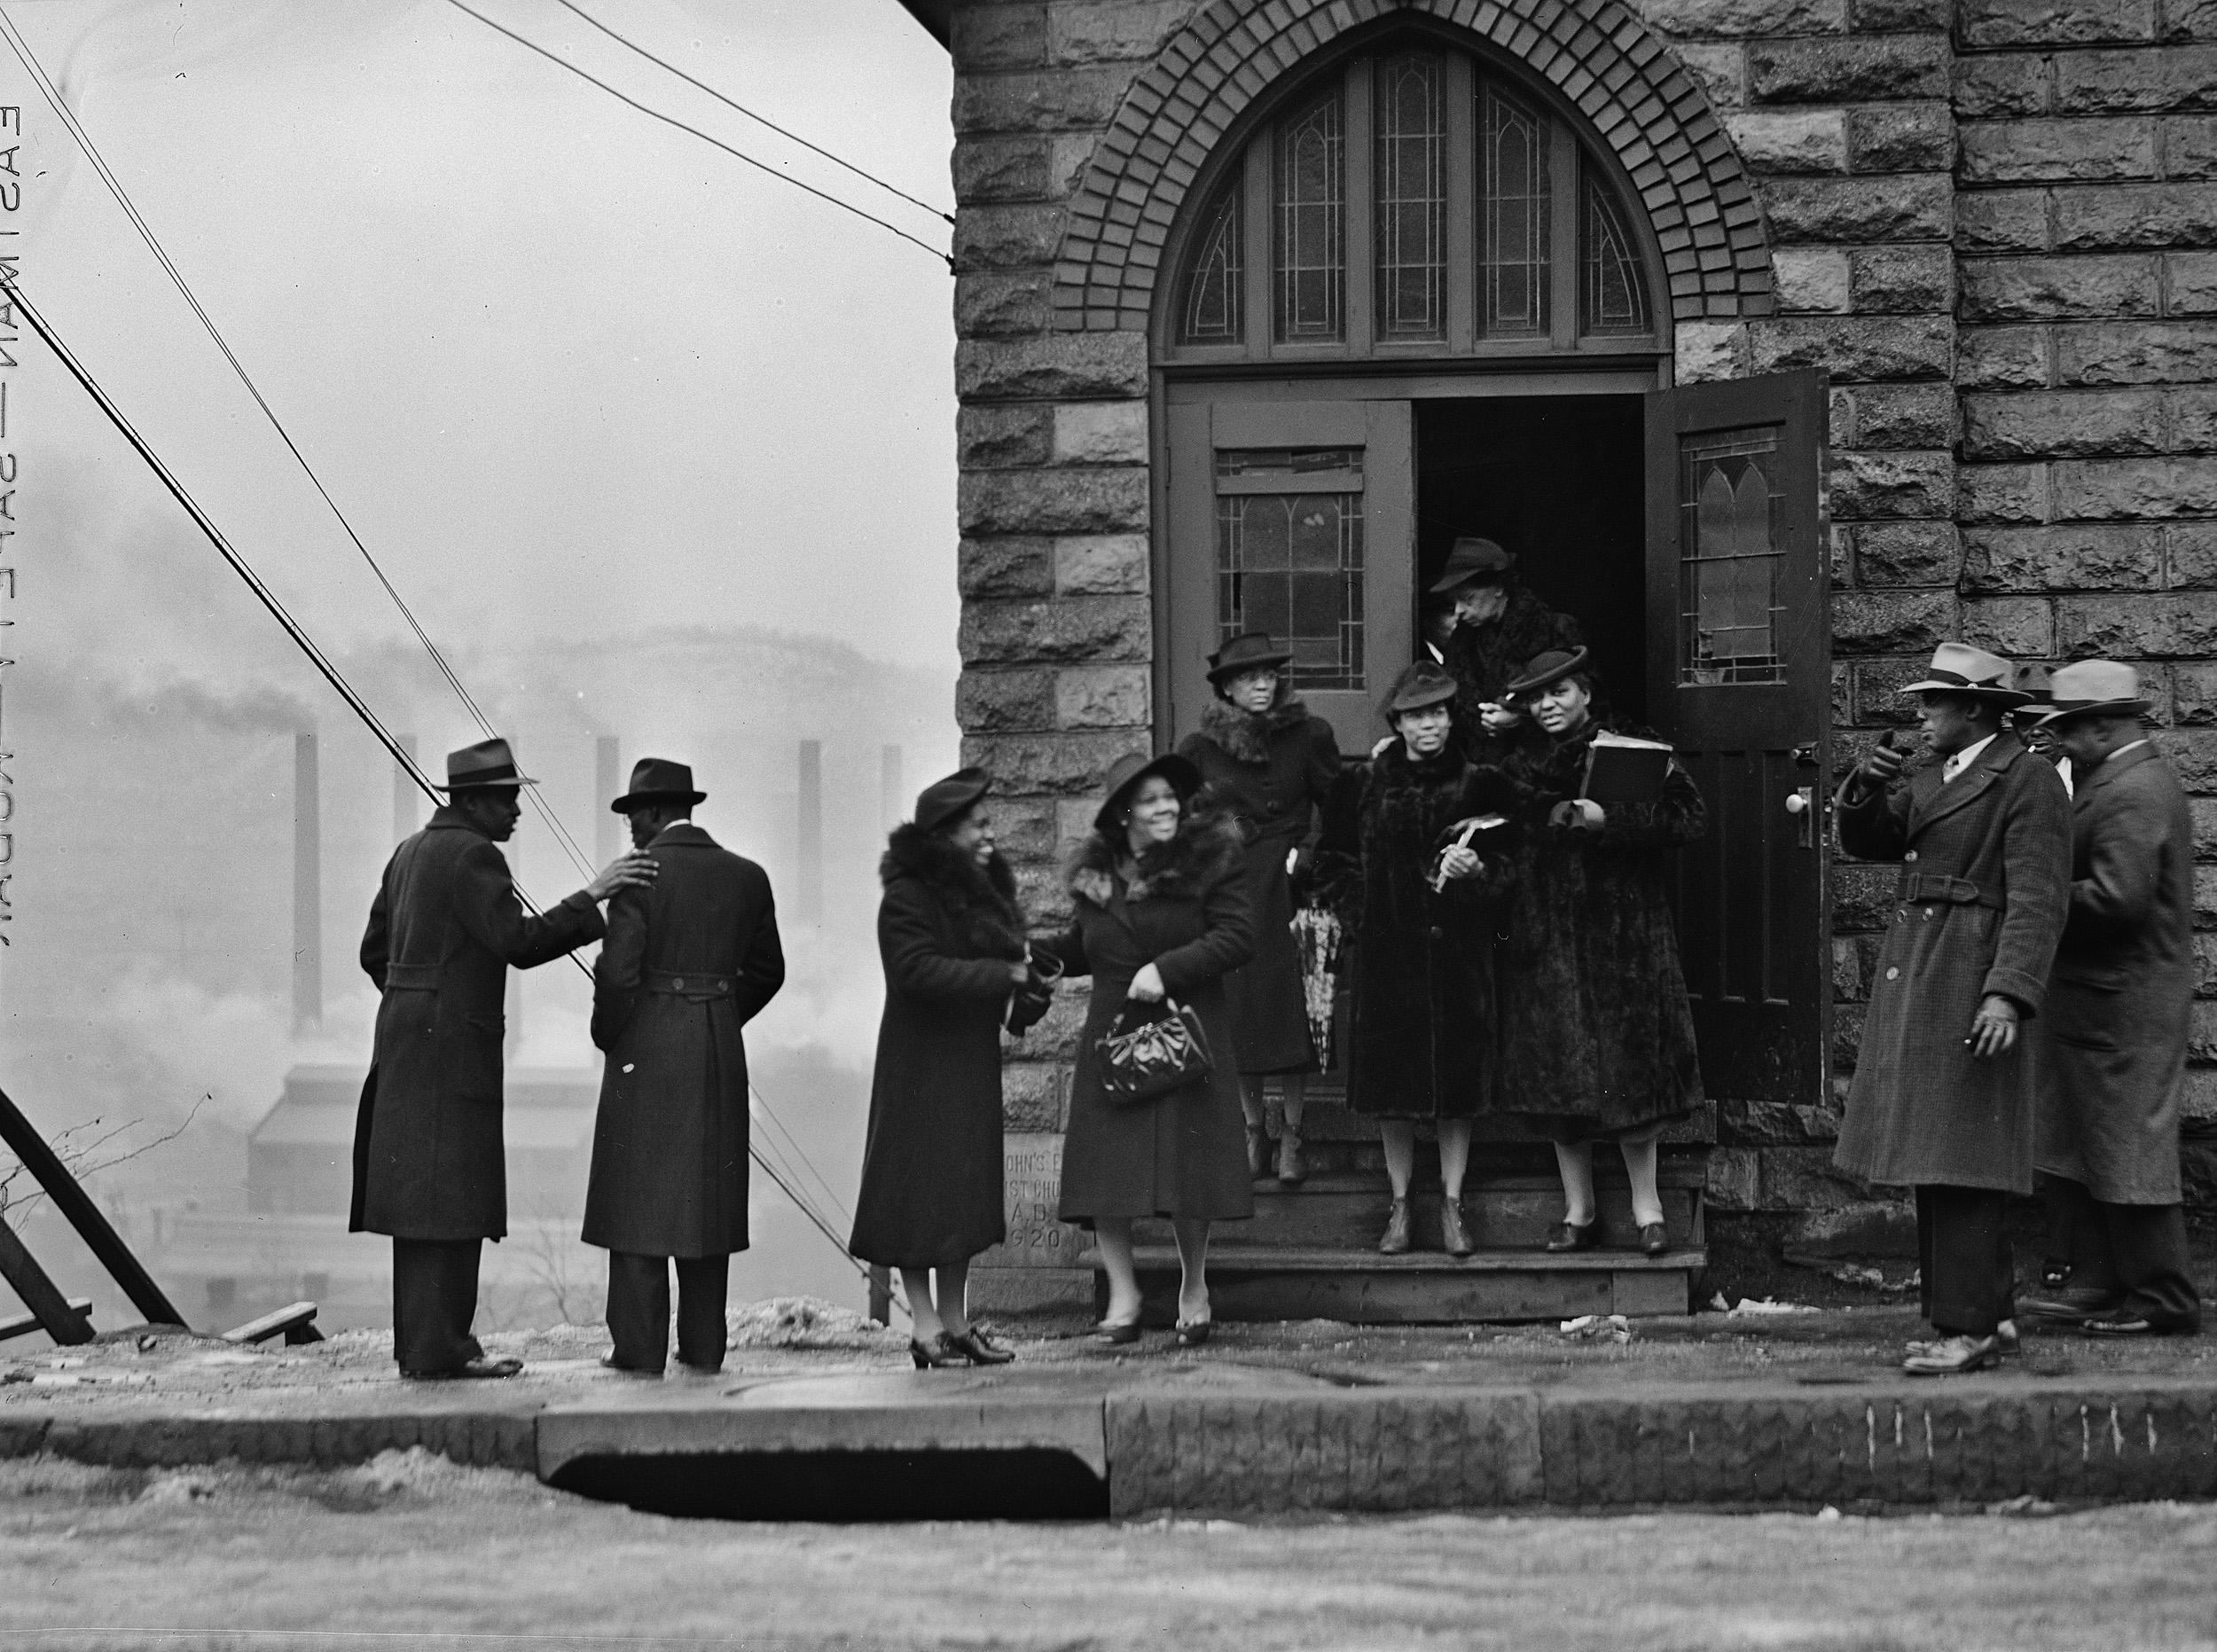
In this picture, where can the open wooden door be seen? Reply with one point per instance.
(1740, 680)
(1296, 518)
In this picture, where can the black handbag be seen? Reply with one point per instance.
(1140, 1061)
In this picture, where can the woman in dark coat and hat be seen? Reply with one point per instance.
(1411, 864)
(1598, 1037)
(1158, 913)
(1266, 762)
(951, 939)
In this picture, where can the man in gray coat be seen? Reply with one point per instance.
(2112, 1044)
(1942, 1098)
(444, 930)
(686, 964)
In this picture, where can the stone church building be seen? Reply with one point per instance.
(1780, 340)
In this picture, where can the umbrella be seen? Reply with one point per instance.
(1316, 935)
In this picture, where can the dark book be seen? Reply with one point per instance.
(1622, 770)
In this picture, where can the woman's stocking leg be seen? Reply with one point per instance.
(1400, 1137)
(1575, 1161)
(951, 1281)
(916, 1285)
(1454, 1156)
(1258, 1131)
(1292, 1167)
(1112, 1237)
(1639, 1164)
(1193, 1269)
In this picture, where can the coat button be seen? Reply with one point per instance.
(1894, 973)
(1438, 933)
(679, 983)
(1928, 914)
(1910, 855)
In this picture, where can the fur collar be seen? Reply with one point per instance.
(1245, 736)
(981, 899)
(1206, 851)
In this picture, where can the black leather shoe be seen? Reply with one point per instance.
(609, 1362)
(1193, 1333)
(1118, 1336)
(2123, 1322)
(1454, 1235)
(1396, 1234)
(1574, 1236)
(1655, 1239)
(981, 1349)
(2072, 1304)
(475, 1370)
(942, 1351)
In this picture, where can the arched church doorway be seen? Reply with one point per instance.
(1413, 295)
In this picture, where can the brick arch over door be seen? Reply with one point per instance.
(1600, 57)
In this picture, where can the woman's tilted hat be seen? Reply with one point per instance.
(1424, 683)
(482, 767)
(658, 780)
(944, 802)
(2096, 688)
(1250, 651)
(1127, 774)
(1473, 558)
(1959, 669)
(1543, 670)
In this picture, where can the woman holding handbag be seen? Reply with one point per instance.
(950, 936)
(1159, 919)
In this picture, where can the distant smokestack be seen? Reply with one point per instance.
(608, 782)
(891, 803)
(810, 902)
(308, 886)
(406, 793)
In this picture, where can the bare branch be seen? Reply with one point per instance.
(82, 1159)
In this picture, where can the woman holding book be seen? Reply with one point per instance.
(1597, 1036)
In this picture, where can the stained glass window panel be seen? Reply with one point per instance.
(1291, 564)
(1513, 205)
(1309, 237)
(1612, 296)
(1730, 558)
(1410, 147)
(1208, 308)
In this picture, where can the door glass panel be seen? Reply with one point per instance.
(1411, 150)
(1311, 234)
(1208, 308)
(1291, 562)
(1730, 559)
(1513, 204)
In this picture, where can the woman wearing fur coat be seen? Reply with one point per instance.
(951, 939)
(1269, 765)
(1157, 912)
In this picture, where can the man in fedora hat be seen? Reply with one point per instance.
(1499, 623)
(429, 1170)
(1942, 1097)
(2112, 1040)
(689, 961)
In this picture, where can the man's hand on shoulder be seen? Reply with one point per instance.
(634, 869)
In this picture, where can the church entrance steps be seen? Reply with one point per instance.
(1264, 1282)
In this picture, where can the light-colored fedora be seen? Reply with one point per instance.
(1959, 669)
(2096, 688)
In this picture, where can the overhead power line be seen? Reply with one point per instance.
(758, 118)
(672, 119)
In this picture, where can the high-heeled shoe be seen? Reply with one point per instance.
(981, 1349)
(1574, 1235)
(1655, 1239)
(1396, 1239)
(1193, 1333)
(941, 1352)
(1120, 1335)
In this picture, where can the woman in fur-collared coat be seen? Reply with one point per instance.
(951, 940)
(1158, 911)
(1269, 765)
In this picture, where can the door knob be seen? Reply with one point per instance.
(1801, 804)
(1796, 801)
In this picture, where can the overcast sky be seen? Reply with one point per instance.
(568, 370)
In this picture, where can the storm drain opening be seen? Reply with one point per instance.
(1030, 1483)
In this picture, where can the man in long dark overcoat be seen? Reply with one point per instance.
(1942, 1098)
(687, 963)
(429, 1168)
(2113, 1042)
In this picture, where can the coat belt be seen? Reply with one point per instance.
(1931, 886)
(412, 978)
(697, 987)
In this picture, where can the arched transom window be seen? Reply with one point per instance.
(1411, 203)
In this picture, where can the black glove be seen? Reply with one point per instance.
(1029, 1004)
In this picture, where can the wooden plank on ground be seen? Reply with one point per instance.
(297, 1321)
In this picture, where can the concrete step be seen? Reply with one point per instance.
(1348, 1211)
(1267, 1282)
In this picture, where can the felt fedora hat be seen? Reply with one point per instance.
(2032, 680)
(1250, 651)
(1126, 776)
(944, 800)
(2096, 688)
(1424, 684)
(1472, 558)
(481, 767)
(1959, 669)
(658, 780)
(1542, 669)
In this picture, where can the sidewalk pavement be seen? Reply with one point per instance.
(1714, 1411)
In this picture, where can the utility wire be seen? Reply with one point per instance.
(672, 119)
(750, 114)
(331, 673)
